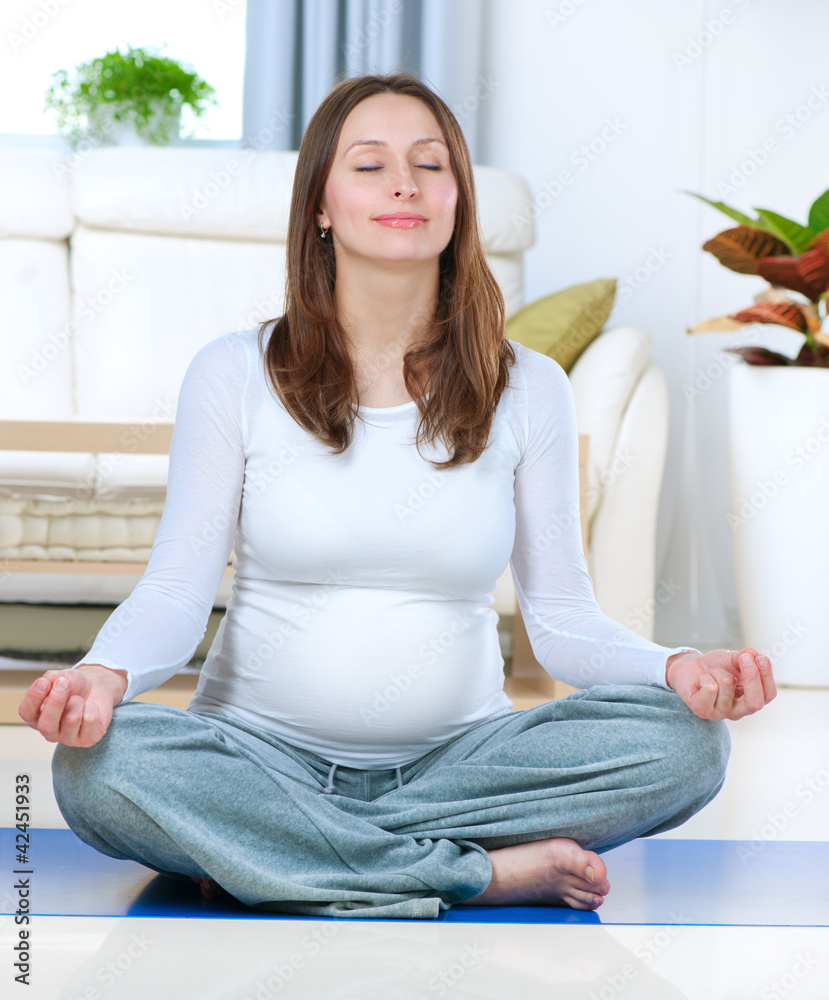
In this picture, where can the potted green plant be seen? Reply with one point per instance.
(779, 439)
(792, 258)
(138, 89)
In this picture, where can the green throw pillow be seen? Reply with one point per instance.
(561, 325)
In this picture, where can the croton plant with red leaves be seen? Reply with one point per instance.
(793, 259)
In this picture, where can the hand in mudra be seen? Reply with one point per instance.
(73, 706)
(723, 683)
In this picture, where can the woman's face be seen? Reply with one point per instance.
(391, 161)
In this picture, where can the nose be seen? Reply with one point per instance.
(404, 183)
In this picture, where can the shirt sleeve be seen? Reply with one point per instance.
(570, 636)
(156, 630)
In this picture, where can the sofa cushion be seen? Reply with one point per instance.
(509, 273)
(76, 529)
(561, 325)
(222, 193)
(46, 473)
(501, 195)
(34, 195)
(36, 373)
(144, 305)
(615, 361)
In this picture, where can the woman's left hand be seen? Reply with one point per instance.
(723, 683)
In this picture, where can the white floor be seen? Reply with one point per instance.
(776, 789)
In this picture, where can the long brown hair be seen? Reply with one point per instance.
(462, 362)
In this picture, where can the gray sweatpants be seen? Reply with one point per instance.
(194, 793)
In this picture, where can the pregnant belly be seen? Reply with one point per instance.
(367, 668)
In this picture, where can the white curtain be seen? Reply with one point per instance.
(297, 49)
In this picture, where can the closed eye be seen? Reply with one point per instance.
(424, 166)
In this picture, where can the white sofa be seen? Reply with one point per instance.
(118, 265)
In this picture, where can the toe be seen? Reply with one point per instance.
(594, 869)
(580, 899)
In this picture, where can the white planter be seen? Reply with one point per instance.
(779, 516)
(123, 133)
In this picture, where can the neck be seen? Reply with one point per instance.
(386, 309)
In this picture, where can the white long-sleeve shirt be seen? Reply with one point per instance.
(360, 623)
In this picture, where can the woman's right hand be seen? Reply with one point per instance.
(73, 706)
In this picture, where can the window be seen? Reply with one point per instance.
(41, 36)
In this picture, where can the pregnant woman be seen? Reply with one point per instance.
(350, 750)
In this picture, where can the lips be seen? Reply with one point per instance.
(401, 220)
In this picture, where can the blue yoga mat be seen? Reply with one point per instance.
(684, 882)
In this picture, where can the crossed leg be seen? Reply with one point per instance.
(515, 810)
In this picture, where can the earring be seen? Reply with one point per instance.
(322, 232)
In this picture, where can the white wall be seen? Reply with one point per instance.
(559, 71)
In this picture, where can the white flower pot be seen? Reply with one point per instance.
(779, 516)
(123, 133)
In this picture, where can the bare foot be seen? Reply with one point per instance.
(209, 888)
(555, 871)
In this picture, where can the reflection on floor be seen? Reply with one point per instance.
(161, 959)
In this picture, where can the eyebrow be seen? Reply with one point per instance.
(381, 142)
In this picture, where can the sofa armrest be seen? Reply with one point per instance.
(622, 553)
